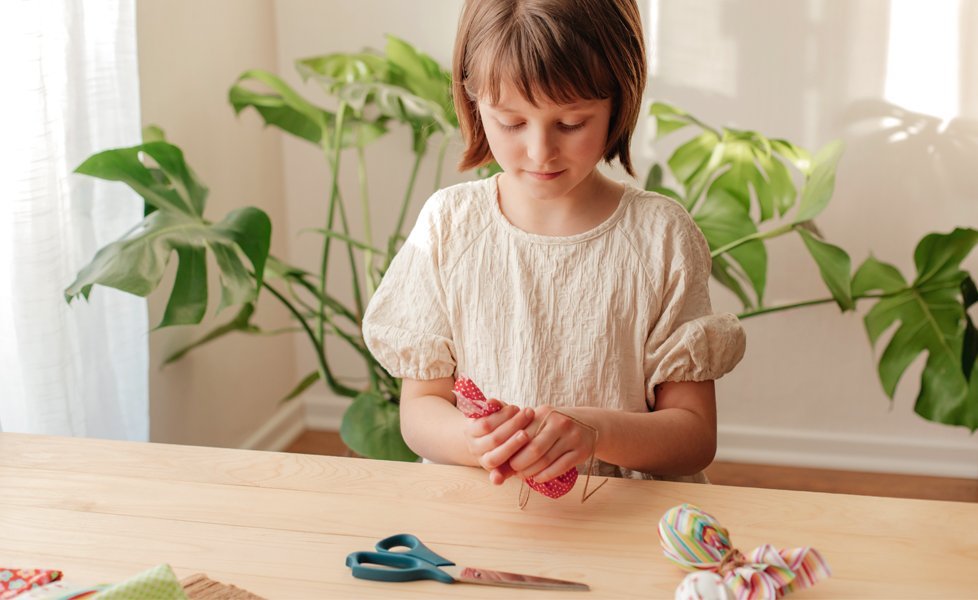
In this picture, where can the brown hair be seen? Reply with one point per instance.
(563, 50)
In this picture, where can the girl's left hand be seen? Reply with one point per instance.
(558, 446)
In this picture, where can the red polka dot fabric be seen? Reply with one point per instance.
(471, 401)
(473, 404)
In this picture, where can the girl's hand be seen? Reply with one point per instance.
(560, 445)
(492, 440)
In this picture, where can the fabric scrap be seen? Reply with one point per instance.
(14, 582)
(157, 583)
(472, 402)
(695, 540)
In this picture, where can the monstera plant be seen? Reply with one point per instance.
(741, 188)
(373, 92)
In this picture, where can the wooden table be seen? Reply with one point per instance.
(280, 525)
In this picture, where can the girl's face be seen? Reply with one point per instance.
(547, 151)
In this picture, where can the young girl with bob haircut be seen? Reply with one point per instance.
(550, 285)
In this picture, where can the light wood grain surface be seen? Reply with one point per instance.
(281, 525)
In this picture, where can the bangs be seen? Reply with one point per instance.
(549, 51)
(539, 63)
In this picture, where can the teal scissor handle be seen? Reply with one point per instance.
(414, 548)
(417, 562)
(394, 566)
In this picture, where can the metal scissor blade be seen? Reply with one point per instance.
(502, 578)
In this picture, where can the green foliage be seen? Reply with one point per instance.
(136, 262)
(373, 92)
(372, 427)
(740, 190)
(732, 181)
(933, 318)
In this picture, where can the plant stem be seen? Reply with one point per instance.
(354, 272)
(441, 160)
(330, 212)
(760, 235)
(392, 241)
(368, 255)
(321, 365)
(917, 291)
(698, 190)
(328, 300)
(772, 309)
(333, 157)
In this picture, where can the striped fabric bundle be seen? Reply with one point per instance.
(694, 540)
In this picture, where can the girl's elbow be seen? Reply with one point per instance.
(704, 454)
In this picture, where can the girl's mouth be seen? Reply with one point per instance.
(544, 176)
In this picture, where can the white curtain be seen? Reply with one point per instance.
(70, 88)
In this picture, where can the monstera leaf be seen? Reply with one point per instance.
(422, 75)
(405, 85)
(932, 316)
(136, 262)
(285, 108)
(732, 181)
(743, 167)
(371, 427)
(723, 222)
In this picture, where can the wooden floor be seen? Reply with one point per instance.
(762, 476)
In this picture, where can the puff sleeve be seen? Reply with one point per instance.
(688, 342)
(405, 325)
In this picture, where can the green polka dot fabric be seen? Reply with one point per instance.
(158, 583)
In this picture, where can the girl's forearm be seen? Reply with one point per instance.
(434, 429)
(670, 441)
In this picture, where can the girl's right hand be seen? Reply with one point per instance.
(492, 440)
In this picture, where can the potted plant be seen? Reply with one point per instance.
(741, 188)
(374, 92)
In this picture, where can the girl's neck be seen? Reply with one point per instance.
(585, 207)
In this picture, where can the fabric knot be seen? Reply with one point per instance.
(472, 402)
(695, 540)
(731, 560)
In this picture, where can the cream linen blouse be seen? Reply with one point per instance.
(593, 319)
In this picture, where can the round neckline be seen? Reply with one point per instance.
(556, 240)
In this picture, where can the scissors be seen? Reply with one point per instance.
(419, 562)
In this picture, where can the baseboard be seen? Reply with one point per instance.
(324, 412)
(319, 412)
(848, 452)
(737, 443)
(288, 423)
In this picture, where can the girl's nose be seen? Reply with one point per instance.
(541, 148)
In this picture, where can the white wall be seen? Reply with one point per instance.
(807, 391)
(189, 55)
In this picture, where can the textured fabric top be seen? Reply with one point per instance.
(593, 319)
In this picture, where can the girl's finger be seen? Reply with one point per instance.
(543, 471)
(518, 419)
(483, 426)
(500, 474)
(500, 454)
(535, 451)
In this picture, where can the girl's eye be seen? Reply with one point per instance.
(560, 126)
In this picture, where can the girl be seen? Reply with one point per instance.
(551, 285)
